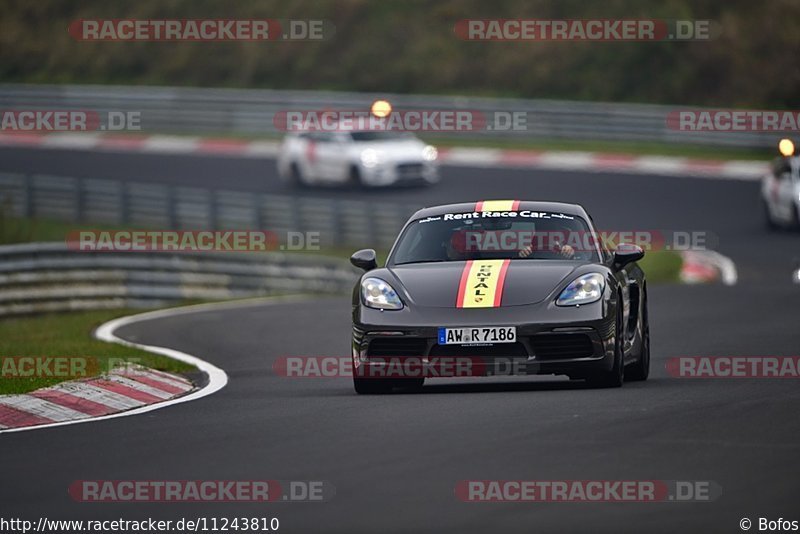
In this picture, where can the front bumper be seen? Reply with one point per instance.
(550, 340)
(396, 173)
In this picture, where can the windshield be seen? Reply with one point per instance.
(520, 235)
(381, 136)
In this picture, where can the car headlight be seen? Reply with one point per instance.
(380, 295)
(429, 153)
(369, 158)
(585, 289)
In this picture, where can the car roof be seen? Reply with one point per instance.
(502, 205)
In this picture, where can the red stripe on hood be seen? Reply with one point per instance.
(501, 280)
(462, 284)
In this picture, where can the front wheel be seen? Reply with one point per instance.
(371, 386)
(296, 177)
(614, 377)
(641, 369)
(355, 180)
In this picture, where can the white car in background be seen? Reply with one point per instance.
(780, 189)
(357, 158)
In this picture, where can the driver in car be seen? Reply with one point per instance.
(456, 247)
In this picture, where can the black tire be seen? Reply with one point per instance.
(614, 377)
(296, 176)
(372, 386)
(641, 369)
(355, 178)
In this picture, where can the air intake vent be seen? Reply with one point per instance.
(562, 346)
(397, 346)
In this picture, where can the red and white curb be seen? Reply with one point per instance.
(131, 391)
(707, 266)
(471, 157)
(123, 388)
(128, 406)
(600, 162)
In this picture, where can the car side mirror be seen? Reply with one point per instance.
(626, 253)
(364, 259)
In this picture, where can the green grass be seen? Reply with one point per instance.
(25, 230)
(410, 47)
(662, 266)
(69, 335)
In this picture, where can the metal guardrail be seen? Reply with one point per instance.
(339, 222)
(45, 277)
(251, 112)
(42, 277)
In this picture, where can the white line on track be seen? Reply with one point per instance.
(217, 378)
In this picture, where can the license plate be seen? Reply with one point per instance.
(477, 334)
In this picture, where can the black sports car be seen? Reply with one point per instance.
(499, 287)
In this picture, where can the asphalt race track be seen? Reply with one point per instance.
(395, 460)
